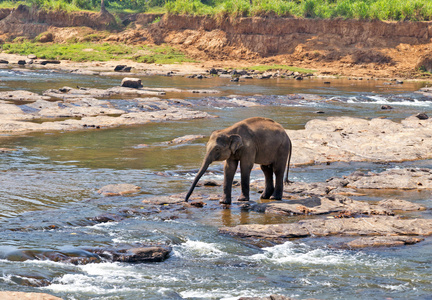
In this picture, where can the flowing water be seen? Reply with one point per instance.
(48, 195)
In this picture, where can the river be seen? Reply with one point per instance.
(48, 194)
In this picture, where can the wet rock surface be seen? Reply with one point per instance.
(81, 256)
(372, 226)
(118, 189)
(271, 297)
(80, 109)
(379, 223)
(383, 241)
(353, 139)
(4, 295)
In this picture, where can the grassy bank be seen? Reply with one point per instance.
(413, 10)
(98, 52)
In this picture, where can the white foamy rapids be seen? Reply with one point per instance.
(198, 249)
(291, 253)
(226, 294)
(376, 99)
(103, 278)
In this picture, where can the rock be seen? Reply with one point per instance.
(386, 106)
(353, 139)
(211, 183)
(106, 218)
(119, 68)
(4, 295)
(131, 83)
(402, 205)
(118, 189)
(404, 179)
(5, 150)
(78, 256)
(21, 62)
(377, 225)
(142, 254)
(213, 71)
(165, 200)
(271, 297)
(323, 205)
(53, 62)
(21, 95)
(383, 241)
(184, 139)
(2, 61)
(31, 56)
(122, 68)
(422, 116)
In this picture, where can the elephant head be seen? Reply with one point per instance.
(219, 147)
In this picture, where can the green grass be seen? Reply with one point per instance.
(414, 10)
(400, 10)
(98, 52)
(265, 68)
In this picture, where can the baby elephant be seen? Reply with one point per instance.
(254, 140)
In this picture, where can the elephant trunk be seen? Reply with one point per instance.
(198, 176)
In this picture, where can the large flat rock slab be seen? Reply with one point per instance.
(405, 179)
(373, 226)
(354, 139)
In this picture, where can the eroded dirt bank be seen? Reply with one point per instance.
(337, 47)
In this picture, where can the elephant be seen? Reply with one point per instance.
(253, 140)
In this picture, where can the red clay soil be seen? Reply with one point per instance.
(334, 47)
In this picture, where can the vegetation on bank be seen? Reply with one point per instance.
(98, 52)
(414, 10)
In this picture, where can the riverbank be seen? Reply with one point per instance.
(373, 49)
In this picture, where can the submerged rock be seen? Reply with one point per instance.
(78, 256)
(163, 200)
(184, 139)
(118, 189)
(271, 297)
(383, 241)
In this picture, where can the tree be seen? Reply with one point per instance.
(103, 9)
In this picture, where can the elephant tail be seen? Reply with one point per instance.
(288, 162)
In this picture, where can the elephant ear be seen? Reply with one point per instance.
(235, 142)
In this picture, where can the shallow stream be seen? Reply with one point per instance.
(48, 194)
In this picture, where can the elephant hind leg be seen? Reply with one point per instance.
(269, 186)
(279, 184)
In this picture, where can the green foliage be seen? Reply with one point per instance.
(192, 7)
(399, 10)
(97, 52)
(235, 8)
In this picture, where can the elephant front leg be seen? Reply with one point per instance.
(269, 186)
(229, 172)
(245, 169)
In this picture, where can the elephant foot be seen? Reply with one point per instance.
(243, 198)
(276, 197)
(225, 201)
(265, 196)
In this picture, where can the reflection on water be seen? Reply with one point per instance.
(48, 197)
